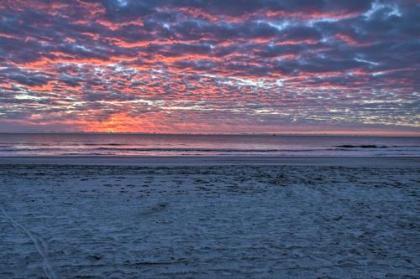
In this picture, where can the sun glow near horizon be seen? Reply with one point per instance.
(258, 67)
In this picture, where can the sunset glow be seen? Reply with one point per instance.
(346, 67)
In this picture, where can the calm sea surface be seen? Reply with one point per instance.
(203, 145)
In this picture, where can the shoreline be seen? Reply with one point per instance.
(175, 161)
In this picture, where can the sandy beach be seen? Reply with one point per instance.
(319, 219)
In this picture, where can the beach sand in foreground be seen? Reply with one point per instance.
(210, 221)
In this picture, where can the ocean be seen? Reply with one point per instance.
(88, 144)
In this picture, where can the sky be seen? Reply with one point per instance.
(222, 66)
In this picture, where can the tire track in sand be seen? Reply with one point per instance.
(39, 243)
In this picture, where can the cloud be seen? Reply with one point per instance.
(260, 62)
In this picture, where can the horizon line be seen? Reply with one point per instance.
(219, 134)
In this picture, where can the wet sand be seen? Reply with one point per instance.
(373, 162)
